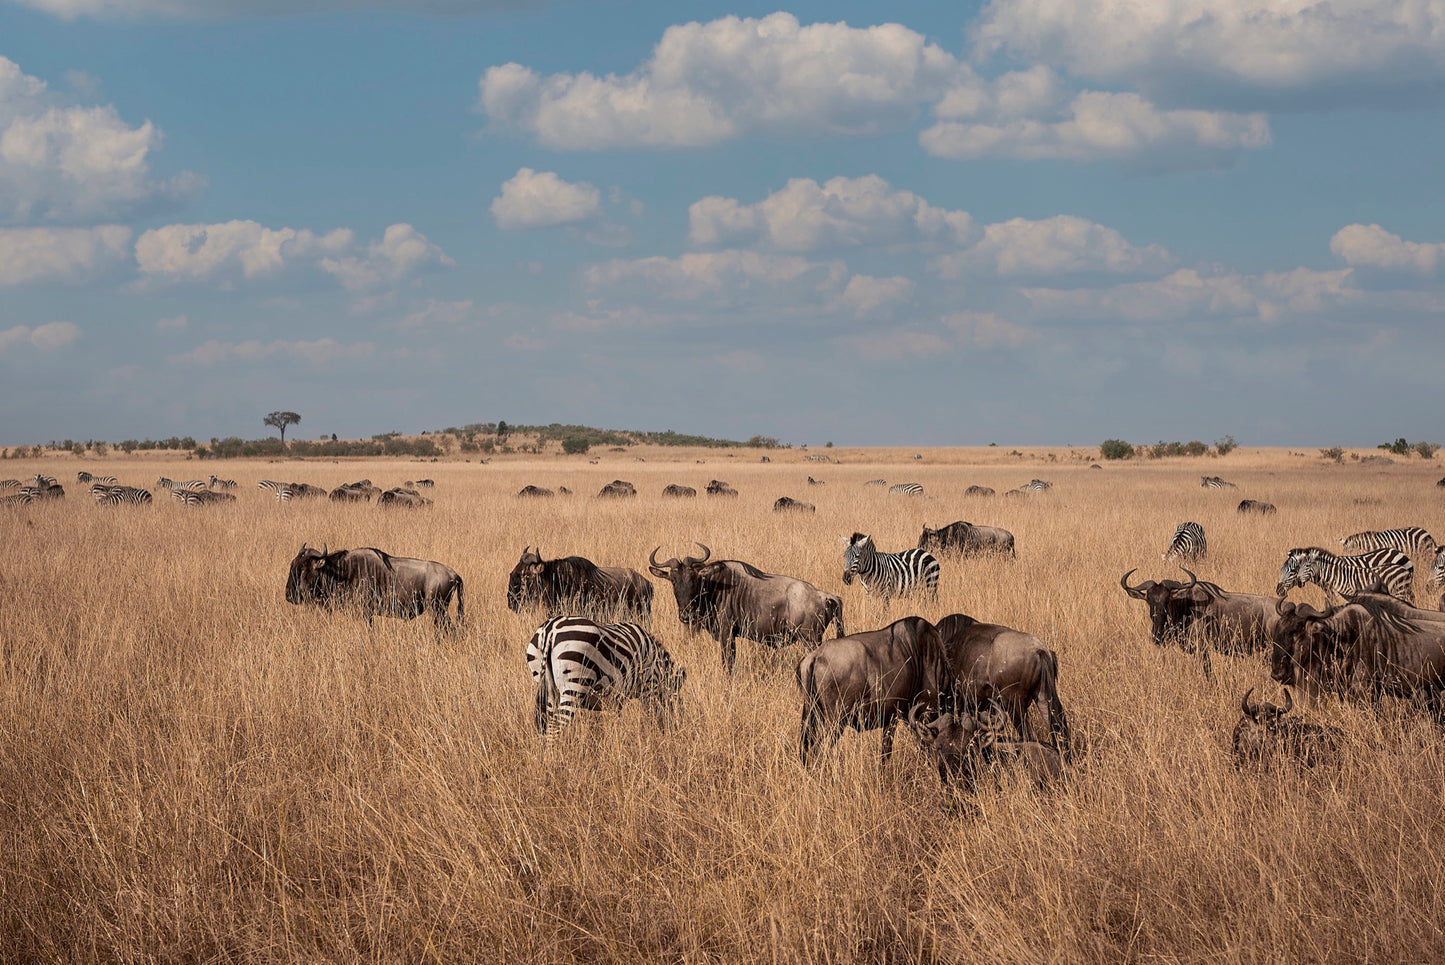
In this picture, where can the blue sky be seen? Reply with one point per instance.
(1023, 221)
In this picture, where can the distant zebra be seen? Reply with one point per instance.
(24, 497)
(888, 574)
(38, 481)
(906, 489)
(578, 664)
(189, 485)
(1348, 575)
(85, 477)
(1214, 482)
(876, 482)
(978, 491)
(201, 497)
(116, 495)
(1188, 543)
(1036, 486)
(222, 483)
(1407, 539)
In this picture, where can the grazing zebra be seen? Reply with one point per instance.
(577, 663)
(1188, 543)
(1214, 482)
(115, 495)
(189, 485)
(38, 481)
(888, 574)
(1036, 486)
(201, 497)
(1407, 539)
(1348, 575)
(23, 497)
(222, 483)
(85, 477)
(906, 489)
(876, 482)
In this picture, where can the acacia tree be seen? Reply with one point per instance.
(280, 420)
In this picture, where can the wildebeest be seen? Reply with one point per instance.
(408, 498)
(679, 492)
(575, 582)
(786, 503)
(618, 488)
(1262, 734)
(815, 482)
(968, 539)
(1229, 622)
(1012, 670)
(1255, 506)
(378, 582)
(962, 745)
(978, 491)
(731, 599)
(719, 488)
(869, 680)
(534, 491)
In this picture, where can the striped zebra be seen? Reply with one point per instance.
(1036, 486)
(106, 495)
(888, 574)
(876, 482)
(222, 483)
(579, 664)
(1407, 539)
(1437, 570)
(201, 497)
(906, 489)
(1188, 543)
(22, 498)
(189, 485)
(1214, 482)
(1348, 575)
(85, 477)
(39, 481)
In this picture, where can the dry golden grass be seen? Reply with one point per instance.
(191, 769)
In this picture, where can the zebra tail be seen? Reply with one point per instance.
(544, 693)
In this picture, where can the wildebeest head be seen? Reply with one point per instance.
(1171, 603)
(1258, 730)
(312, 577)
(932, 539)
(1300, 634)
(686, 577)
(524, 585)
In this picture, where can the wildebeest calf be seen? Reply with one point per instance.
(962, 746)
(1262, 734)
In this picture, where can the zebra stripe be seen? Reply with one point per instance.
(1036, 486)
(1188, 542)
(889, 574)
(1348, 575)
(85, 477)
(192, 485)
(876, 482)
(1437, 571)
(222, 483)
(18, 499)
(1408, 539)
(200, 497)
(38, 481)
(906, 489)
(579, 664)
(115, 495)
(1214, 482)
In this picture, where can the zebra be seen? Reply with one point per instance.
(39, 481)
(200, 497)
(906, 489)
(222, 483)
(189, 485)
(22, 498)
(1348, 575)
(888, 574)
(109, 495)
(876, 482)
(1214, 482)
(577, 663)
(1437, 571)
(1188, 542)
(85, 477)
(1407, 539)
(1036, 486)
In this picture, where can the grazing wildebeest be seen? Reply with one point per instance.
(378, 582)
(574, 582)
(679, 492)
(731, 599)
(408, 498)
(815, 482)
(618, 488)
(1010, 669)
(967, 539)
(1262, 734)
(978, 491)
(1255, 506)
(1236, 623)
(869, 680)
(719, 488)
(786, 503)
(563, 491)
(534, 491)
(962, 746)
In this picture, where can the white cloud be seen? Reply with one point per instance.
(1063, 244)
(865, 294)
(842, 212)
(60, 254)
(541, 199)
(438, 312)
(72, 163)
(711, 82)
(318, 352)
(718, 274)
(402, 252)
(1244, 45)
(1191, 294)
(1370, 246)
(985, 330)
(45, 338)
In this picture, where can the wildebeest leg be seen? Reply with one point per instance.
(729, 641)
(886, 751)
(808, 737)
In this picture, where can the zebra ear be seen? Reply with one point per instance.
(843, 539)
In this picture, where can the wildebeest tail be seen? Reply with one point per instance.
(834, 611)
(461, 602)
(1058, 720)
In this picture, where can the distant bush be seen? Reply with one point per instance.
(1399, 447)
(1426, 450)
(1116, 449)
(575, 445)
(1335, 453)
(1225, 446)
(1193, 448)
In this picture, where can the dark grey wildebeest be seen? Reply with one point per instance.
(1255, 506)
(575, 582)
(377, 582)
(968, 539)
(674, 491)
(789, 504)
(1263, 734)
(964, 746)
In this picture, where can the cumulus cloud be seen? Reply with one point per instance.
(985, 330)
(319, 352)
(64, 255)
(45, 338)
(718, 274)
(64, 163)
(865, 294)
(706, 83)
(1370, 246)
(1063, 244)
(1243, 46)
(1192, 294)
(842, 212)
(401, 253)
(541, 199)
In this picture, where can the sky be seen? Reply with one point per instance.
(1041, 222)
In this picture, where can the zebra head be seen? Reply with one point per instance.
(856, 547)
(1437, 571)
(1290, 574)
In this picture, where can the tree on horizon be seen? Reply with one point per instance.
(280, 420)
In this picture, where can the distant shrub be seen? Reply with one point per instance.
(1225, 446)
(1334, 453)
(575, 445)
(1399, 447)
(1116, 449)
(1426, 450)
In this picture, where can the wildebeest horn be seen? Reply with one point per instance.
(1279, 606)
(706, 554)
(1288, 702)
(653, 558)
(1135, 591)
(1193, 580)
(1244, 704)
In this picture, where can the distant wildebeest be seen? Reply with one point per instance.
(618, 488)
(992, 664)
(1345, 576)
(1255, 506)
(675, 491)
(1214, 618)
(1263, 734)
(869, 680)
(815, 482)
(786, 503)
(1095, 465)
(963, 746)
(978, 491)
(719, 488)
(731, 599)
(575, 582)
(377, 582)
(219, 483)
(407, 498)
(1188, 543)
(85, 477)
(765, 459)
(577, 663)
(888, 574)
(967, 539)
(563, 491)
(342, 494)
(1406, 539)
(534, 491)
(1214, 482)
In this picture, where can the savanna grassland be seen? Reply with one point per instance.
(193, 770)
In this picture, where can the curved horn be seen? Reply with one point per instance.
(1244, 704)
(1279, 605)
(706, 553)
(1137, 592)
(1288, 702)
(653, 558)
(1193, 580)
